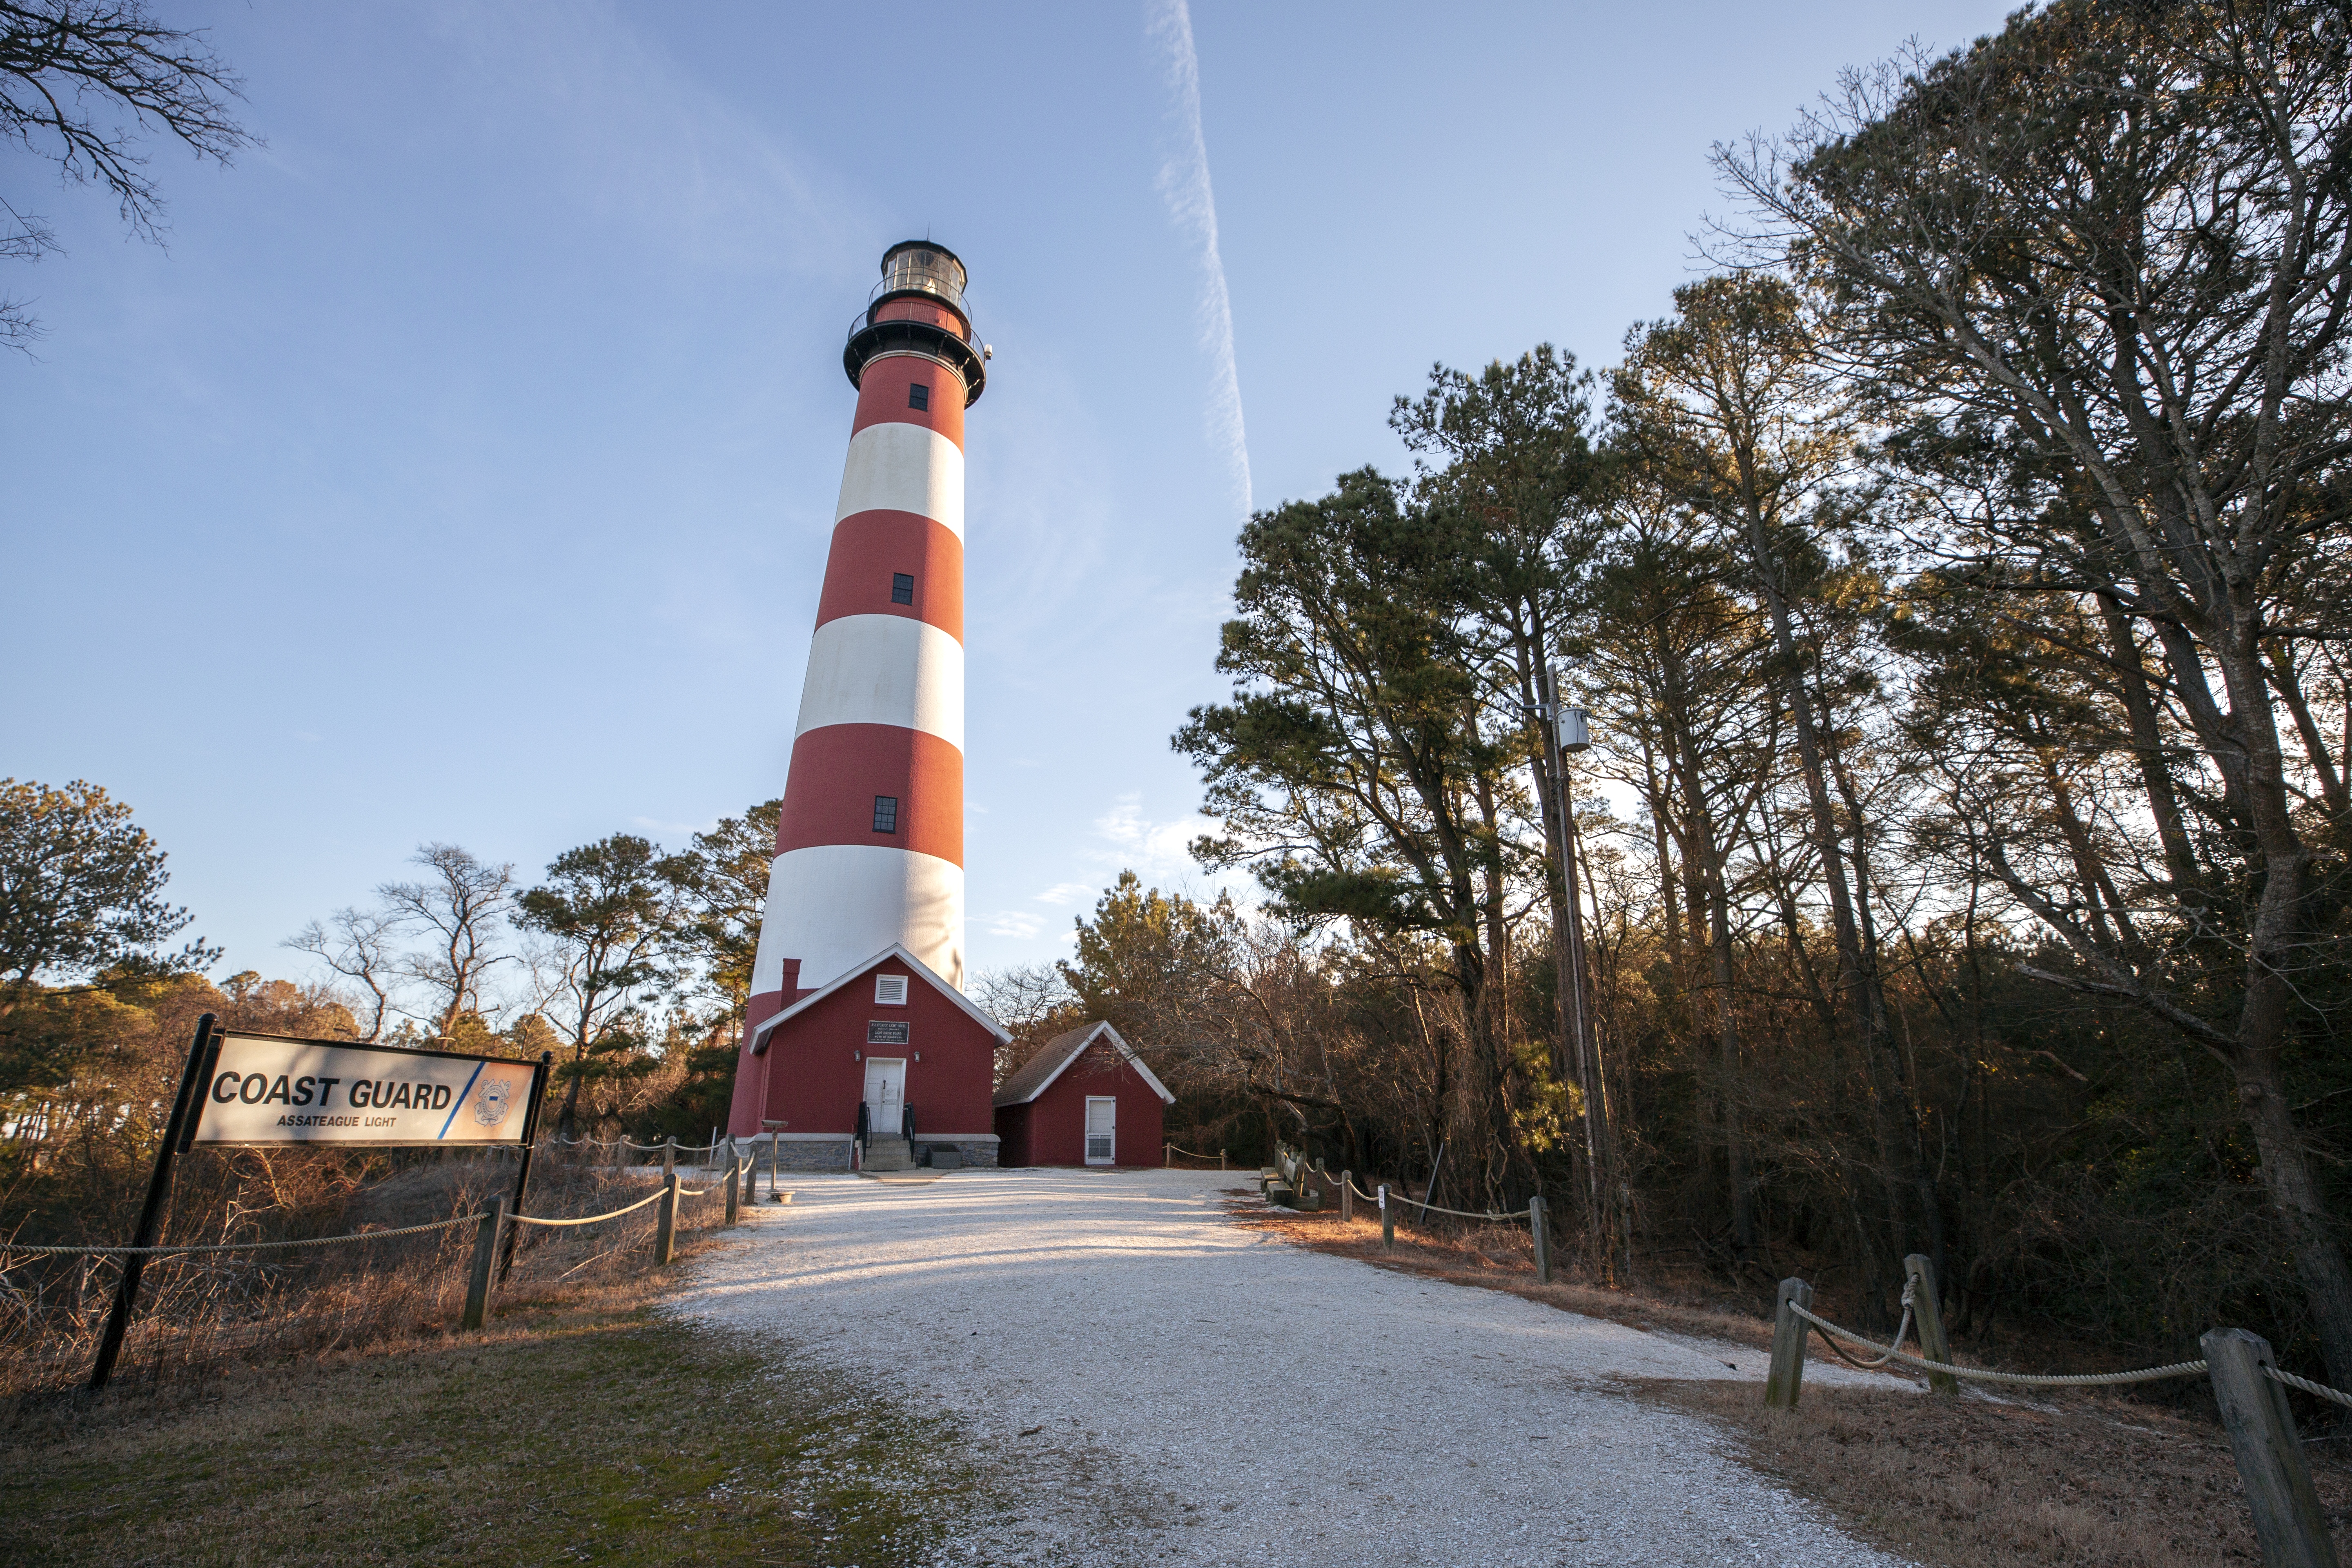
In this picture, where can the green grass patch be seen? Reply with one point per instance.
(623, 1440)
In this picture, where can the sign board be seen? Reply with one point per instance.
(264, 1088)
(890, 1034)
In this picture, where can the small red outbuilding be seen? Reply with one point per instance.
(1086, 1100)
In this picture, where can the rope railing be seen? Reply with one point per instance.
(652, 1197)
(9, 1249)
(489, 1265)
(1902, 1331)
(626, 1142)
(357, 1235)
(2020, 1379)
(2274, 1476)
(1189, 1154)
(1294, 1166)
(1515, 1216)
(2316, 1390)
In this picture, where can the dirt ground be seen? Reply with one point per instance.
(2082, 1478)
(1972, 1483)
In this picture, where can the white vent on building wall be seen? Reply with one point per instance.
(889, 990)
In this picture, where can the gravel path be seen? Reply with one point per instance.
(1203, 1393)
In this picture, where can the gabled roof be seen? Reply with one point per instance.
(1037, 1074)
(859, 972)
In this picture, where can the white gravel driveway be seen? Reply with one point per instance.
(1211, 1394)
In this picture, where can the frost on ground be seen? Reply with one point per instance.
(1147, 1381)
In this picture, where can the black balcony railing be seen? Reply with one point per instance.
(961, 351)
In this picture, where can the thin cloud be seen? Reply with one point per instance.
(608, 114)
(1148, 848)
(1065, 893)
(1018, 924)
(1192, 202)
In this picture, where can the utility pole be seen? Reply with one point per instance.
(1567, 941)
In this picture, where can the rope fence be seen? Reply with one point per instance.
(1292, 1174)
(2316, 1390)
(654, 1196)
(2245, 1378)
(1985, 1374)
(7, 1249)
(493, 1224)
(1293, 1168)
(1515, 1216)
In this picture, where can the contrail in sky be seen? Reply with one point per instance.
(1184, 185)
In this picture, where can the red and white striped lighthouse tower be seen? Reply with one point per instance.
(869, 842)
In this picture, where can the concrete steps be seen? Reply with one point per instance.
(889, 1154)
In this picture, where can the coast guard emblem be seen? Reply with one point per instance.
(490, 1106)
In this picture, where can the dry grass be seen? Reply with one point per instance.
(199, 1313)
(1975, 1483)
(576, 1429)
(1496, 1257)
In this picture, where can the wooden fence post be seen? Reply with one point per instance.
(1539, 1230)
(1346, 1196)
(2271, 1466)
(1221, 1159)
(1928, 1312)
(669, 1155)
(734, 1169)
(1388, 1221)
(1786, 1380)
(666, 1231)
(485, 1252)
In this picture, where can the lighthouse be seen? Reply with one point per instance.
(859, 1045)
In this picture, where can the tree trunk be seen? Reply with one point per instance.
(2271, 959)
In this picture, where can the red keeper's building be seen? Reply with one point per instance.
(1086, 1100)
(889, 1042)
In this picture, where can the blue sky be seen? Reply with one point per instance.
(464, 468)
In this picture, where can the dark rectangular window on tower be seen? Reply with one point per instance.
(885, 813)
(902, 587)
(919, 395)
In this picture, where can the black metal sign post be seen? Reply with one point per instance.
(187, 1109)
(529, 1141)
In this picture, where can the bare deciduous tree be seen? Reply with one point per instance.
(461, 909)
(357, 945)
(82, 84)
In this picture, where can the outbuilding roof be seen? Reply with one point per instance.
(858, 971)
(1037, 1074)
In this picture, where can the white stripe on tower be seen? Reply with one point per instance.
(884, 670)
(869, 842)
(897, 467)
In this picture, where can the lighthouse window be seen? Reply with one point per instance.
(919, 395)
(902, 587)
(885, 813)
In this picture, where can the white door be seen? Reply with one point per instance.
(885, 1094)
(1102, 1130)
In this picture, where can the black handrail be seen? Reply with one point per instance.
(907, 1123)
(865, 1128)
